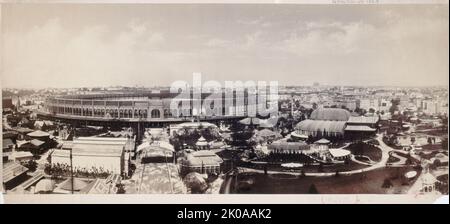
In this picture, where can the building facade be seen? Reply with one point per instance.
(147, 107)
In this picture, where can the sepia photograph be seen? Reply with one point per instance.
(228, 100)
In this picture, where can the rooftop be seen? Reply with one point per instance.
(363, 120)
(11, 170)
(330, 114)
(38, 133)
(203, 157)
(321, 125)
(322, 141)
(339, 152)
(95, 146)
(7, 142)
(359, 128)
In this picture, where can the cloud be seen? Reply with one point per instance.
(329, 38)
(217, 42)
(61, 57)
(386, 45)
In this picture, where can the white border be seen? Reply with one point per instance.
(229, 198)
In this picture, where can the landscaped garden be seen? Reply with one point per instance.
(365, 149)
(393, 159)
(381, 181)
(309, 168)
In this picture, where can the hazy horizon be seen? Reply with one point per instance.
(90, 45)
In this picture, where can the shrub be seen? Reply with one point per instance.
(387, 183)
(31, 165)
(312, 189)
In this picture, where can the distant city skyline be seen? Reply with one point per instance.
(90, 45)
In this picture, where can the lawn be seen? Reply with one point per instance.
(370, 182)
(392, 159)
(432, 147)
(364, 149)
(350, 165)
(434, 132)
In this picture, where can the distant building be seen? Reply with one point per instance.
(202, 144)
(335, 123)
(434, 107)
(281, 147)
(361, 126)
(152, 108)
(324, 122)
(203, 161)
(8, 146)
(13, 175)
(90, 153)
(376, 104)
(7, 103)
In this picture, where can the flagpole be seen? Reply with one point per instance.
(71, 169)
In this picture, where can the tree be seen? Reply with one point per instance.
(429, 140)
(241, 134)
(31, 165)
(314, 106)
(302, 173)
(320, 168)
(312, 189)
(408, 161)
(436, 163)
(394, 106)
(196, 182)
(120, 189)
(444, 143)
(337, 174)
(387, 183)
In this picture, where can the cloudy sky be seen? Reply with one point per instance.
(68, 45)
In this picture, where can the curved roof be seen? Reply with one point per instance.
(330, 114)
(203, 157)
(267, 133)
(201, 142)
(359, 128)
(320, 125)
(250, 120)
(38, 133)
(295, 134)
(339, 152)
(196, 125)
(363, 120)
(322, 141)
(428, 178)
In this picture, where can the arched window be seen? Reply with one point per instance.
(155, 113)
(144, 115)
(167, 113)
